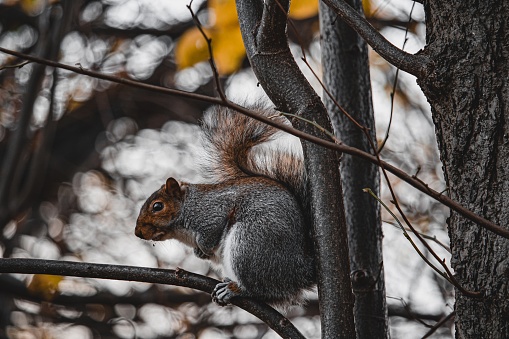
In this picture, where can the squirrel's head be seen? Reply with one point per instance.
(158, 212)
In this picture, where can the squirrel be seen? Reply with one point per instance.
(252, 222)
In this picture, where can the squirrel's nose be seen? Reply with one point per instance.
(138, 232)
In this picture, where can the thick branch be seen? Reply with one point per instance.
(263, 27)
(411, 180)
(177, 277)
(413, 64)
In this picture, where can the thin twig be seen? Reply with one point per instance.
(439, 324)
(321, 128)
(408, 310)
(212, 62)
(407, 236)
(20, 65)
(394, 86)
(429, 237)
(336, 103)
(447, 274)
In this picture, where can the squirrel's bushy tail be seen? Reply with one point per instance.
(234, 149)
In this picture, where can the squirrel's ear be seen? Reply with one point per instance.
(172, 187)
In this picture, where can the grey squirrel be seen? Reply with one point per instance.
(252, 222)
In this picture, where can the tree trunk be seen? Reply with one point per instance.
(468, 89)
(346, 76)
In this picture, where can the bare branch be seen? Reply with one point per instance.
(212, 62)
(425, 236)
(405, 311)
(447, 275)
(439, 324)
(178, 277)
(416, 183)
(20, 65)
(411, 63)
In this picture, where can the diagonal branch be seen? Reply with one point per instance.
(440, 323)
(409, 179)
(411, 63)
(212, 62)
(178, 277)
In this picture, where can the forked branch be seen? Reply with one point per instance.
(411, 63)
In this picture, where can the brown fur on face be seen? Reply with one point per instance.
(160, 209)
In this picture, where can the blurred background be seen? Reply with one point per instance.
(78, 156)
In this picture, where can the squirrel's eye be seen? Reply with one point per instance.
(157, 206)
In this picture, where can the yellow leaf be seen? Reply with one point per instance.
(368, 7)
(228, 49)
(225, 35)
(32, 7)
(45, 286)
(223, 13)
(303, 9)
(191, 48)
(73, 105)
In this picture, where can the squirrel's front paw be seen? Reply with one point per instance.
(225, 291)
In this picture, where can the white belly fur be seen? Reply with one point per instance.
(228, 254)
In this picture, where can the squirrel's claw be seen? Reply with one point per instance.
(225, 291)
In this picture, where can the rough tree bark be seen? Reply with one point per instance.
(346, 76)
(463, 71)
(468, 89)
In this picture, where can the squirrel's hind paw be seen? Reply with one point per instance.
(225, 291)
